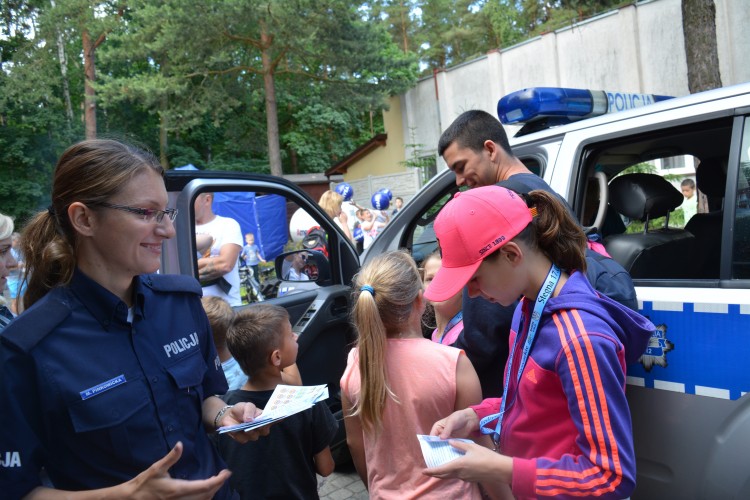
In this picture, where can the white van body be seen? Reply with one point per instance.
(688, 395)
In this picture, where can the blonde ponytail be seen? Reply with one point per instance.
(384, 295)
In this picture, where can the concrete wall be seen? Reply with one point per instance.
(733, 39)
(638, 48)
(403, 184)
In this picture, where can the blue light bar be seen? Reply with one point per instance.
(562, 105)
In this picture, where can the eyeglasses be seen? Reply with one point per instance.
(147, 214)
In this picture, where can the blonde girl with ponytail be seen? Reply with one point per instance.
(397, 383)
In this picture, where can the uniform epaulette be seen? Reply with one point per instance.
(27, 330)
(172, 283)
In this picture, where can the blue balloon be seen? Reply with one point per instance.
(359, 235)
(388, 193)
(380, 201)
(345, 190)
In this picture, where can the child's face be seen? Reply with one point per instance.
(431, 267)
(289, 347)
(497, 281)
(449, 307)
(250, 239)
(687, 191)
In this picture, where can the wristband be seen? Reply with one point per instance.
(220, 415)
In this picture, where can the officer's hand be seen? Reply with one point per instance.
(458, 424)
(241, 413)
(155, 482)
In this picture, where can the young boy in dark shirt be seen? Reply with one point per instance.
(261, 340)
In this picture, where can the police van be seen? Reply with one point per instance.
(621, 173)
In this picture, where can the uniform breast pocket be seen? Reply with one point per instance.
(109, 408)
(111, 423)
(188, 374)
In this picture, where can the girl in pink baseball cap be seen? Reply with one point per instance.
(562, 428)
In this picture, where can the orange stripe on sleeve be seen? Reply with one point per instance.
(576, 384)
(602, 397)
(587, 360)
(584, 363)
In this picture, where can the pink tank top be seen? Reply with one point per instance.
(422, 374)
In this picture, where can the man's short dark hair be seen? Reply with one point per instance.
(471, 129)
(688, 182)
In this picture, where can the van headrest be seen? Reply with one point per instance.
(640, 195)
(711, 176)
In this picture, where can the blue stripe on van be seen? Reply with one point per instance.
(710, 353)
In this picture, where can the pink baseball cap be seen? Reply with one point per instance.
(471, 226)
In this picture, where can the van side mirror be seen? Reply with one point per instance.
(304, 265)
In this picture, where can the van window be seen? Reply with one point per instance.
(741, 259)
(421, 240)
(663, 219)
(270, 225)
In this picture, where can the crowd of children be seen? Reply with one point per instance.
(571, 341)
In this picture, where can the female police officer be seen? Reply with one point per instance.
(110, 367)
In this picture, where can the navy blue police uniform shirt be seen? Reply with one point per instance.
(96, 400)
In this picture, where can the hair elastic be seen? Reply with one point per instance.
(367, 288)
(51, 210)
(533, 211)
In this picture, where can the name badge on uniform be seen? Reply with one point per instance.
(104, 386)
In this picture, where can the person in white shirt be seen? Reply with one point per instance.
(690, 204)
(218, 268)
(369, 225)
(296, 272)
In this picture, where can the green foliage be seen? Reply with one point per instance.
(676, 218)
(402, 21)
(417, 159)
(186, 77)
(447, 32)
(639, 168)
(326, 69)
(24, 178)
(33, 125)
(542, 16)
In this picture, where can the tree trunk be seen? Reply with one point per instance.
(404, 29)
(699, 28)
(293, 160)
(272, 119)
(64, 74)
(163, 123)
(163, 139)
(89, 70)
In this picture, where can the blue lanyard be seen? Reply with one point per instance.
(553, 276)
(453, 322)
